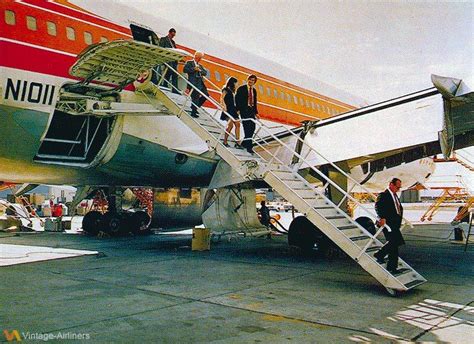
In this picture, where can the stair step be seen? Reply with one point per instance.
(294, 179)
(323, 207)
(339, 220)
(373, 249)
(335, 217)
(211, 126)
(307, 192)
(343, 228)
(414, 283)
(360, 237)
(214, 132)
(401, 272)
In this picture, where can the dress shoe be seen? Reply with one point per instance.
(194, 115)
(379, 258)
(394, 271)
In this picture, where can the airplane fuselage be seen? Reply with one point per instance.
(40, 41)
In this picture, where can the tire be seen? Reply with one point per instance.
(113, 223)
(139, 222)
(306, 236)
(92, 222)
(367, 223)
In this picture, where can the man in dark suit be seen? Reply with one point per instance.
(170, 77)
(196, 74)
(390, 212)
(246, 104)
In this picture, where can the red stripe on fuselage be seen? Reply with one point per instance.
(18, 56)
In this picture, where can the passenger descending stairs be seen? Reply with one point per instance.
(347, 234)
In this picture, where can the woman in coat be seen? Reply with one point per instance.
(228, 103)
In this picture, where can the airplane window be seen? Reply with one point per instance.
(307, 103)
(282, 95)
(275, 93)
(312, 105)
(260, 88)
(10, 17)
(31, 23)
(269, 92)
(51, 27)
(103, 39)
(288, 97)
(218, 75)
(70, 33)
(301, 101)
(295, 99)
(87, 37)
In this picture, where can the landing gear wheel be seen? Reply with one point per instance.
(112, 223)
(306, 236)
(92, 222)
(139, 222)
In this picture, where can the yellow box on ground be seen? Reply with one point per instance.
(201, 239)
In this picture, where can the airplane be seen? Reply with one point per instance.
(52, 131)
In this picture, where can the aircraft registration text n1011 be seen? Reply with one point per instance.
(29, 91)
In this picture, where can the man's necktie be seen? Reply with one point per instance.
(397, 204)
(250, 96)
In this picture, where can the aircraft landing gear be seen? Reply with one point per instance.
(91, 223)
(112, 219)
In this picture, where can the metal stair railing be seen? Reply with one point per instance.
(260, 126)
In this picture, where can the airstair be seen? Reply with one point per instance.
(309, 199)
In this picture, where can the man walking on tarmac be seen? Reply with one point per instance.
(390, 211)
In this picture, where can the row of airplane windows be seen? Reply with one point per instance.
(31, 24)
(51, 28)
(284, 96)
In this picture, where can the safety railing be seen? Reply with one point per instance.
(263, 141)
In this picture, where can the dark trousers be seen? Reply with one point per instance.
(249, 129)
(171, 78)
(197, 99)
(390, 248)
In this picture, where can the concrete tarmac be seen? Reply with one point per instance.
(154, 289)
